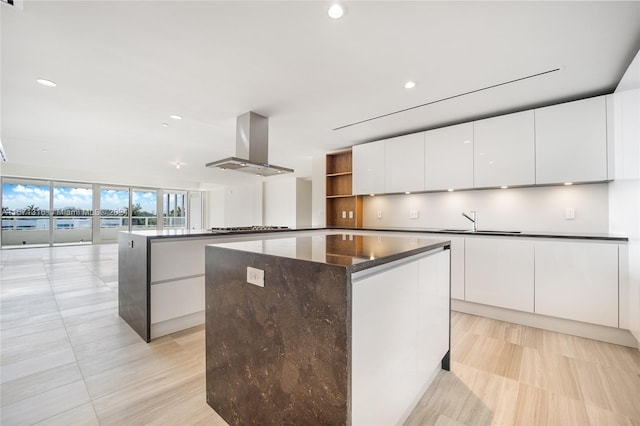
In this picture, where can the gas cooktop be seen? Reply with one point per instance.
(249, 228)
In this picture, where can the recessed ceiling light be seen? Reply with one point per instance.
(165, 124)
(176, 117)
(45, 150)
(407, 192)
(504, 187)
(177, 164)
(491, 162)
(372, 195)
(568, 183)
(335, 11)
(409, 85)
(450, 190)
(46, 82)
(466, 141)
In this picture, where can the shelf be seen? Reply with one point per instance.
(341, 196)
(339, 162)
(339, 174)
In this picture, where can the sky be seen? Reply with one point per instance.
(18, 196)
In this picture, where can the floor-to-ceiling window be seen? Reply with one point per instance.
(44, 212)
(25, 212)
(114, 213)
(72, 213)
(144, 209)
(173, 209)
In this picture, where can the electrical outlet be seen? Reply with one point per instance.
(413, 214)
(130, 243)
(255, 276)
(570, 213)
(379, 215)
(344, 214)
(350, 214)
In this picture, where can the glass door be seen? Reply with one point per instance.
(114, 213)
(173, 210)
(144, 209)
(25, 212)
(72, 213)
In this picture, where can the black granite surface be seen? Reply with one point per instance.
(182, 233)
(276, 355)
(348, 249)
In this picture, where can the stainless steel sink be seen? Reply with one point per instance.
(480, 231)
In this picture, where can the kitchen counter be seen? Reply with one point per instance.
(342, 329)
(503, 233)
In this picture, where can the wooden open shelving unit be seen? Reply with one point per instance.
(339, 191)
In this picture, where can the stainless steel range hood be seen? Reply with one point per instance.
(252, 143)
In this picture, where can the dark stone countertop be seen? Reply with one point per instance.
(350, 250)
(183, 233)
(502, 233)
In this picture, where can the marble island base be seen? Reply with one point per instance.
(357, 342)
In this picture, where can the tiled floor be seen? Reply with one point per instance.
(67, 358)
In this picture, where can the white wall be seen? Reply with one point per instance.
(624, 192)
(304, 192)
(287, 202)
(214, 208)
(280, 202)
(243, 205)
(538, 209)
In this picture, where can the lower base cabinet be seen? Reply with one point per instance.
(500, 272)
(577, 281)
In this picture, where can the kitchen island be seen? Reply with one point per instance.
(325, 329)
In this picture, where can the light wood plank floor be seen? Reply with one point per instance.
(67, 358)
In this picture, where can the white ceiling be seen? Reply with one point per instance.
(123, 67)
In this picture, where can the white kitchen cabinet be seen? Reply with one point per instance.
(571, 142)
(449, 158)
(577, 281)
(504, 150)
(500, 272)
(368, 168)
(404, 163)
(457, 266)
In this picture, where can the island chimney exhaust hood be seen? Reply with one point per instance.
(252, 140)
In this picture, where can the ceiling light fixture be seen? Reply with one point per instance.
(46, 82)
(165, 124)
(335, 11)
(372, 195)
(177, 164)
(409, 85)
(407, 192)
(450, 190)
(504, 187)
(568, 183)
(176, 116)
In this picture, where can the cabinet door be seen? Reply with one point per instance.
(504, 151)
(368, 168)
(404, 163)
(457, 266)
(571, 142)
(577, 281)
(449, 157)
(499, 272)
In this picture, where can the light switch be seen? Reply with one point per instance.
(344, 214)
(379, 214)
(569, 213)
(350, 214)
(255, 276)
(413, 214)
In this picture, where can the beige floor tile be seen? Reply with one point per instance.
(83, 415)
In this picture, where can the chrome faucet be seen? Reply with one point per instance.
(473, 219)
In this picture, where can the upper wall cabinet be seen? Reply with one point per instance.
(449, 157)
(571, 142)
(404, 163)
(504, 150)
(368, 168)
